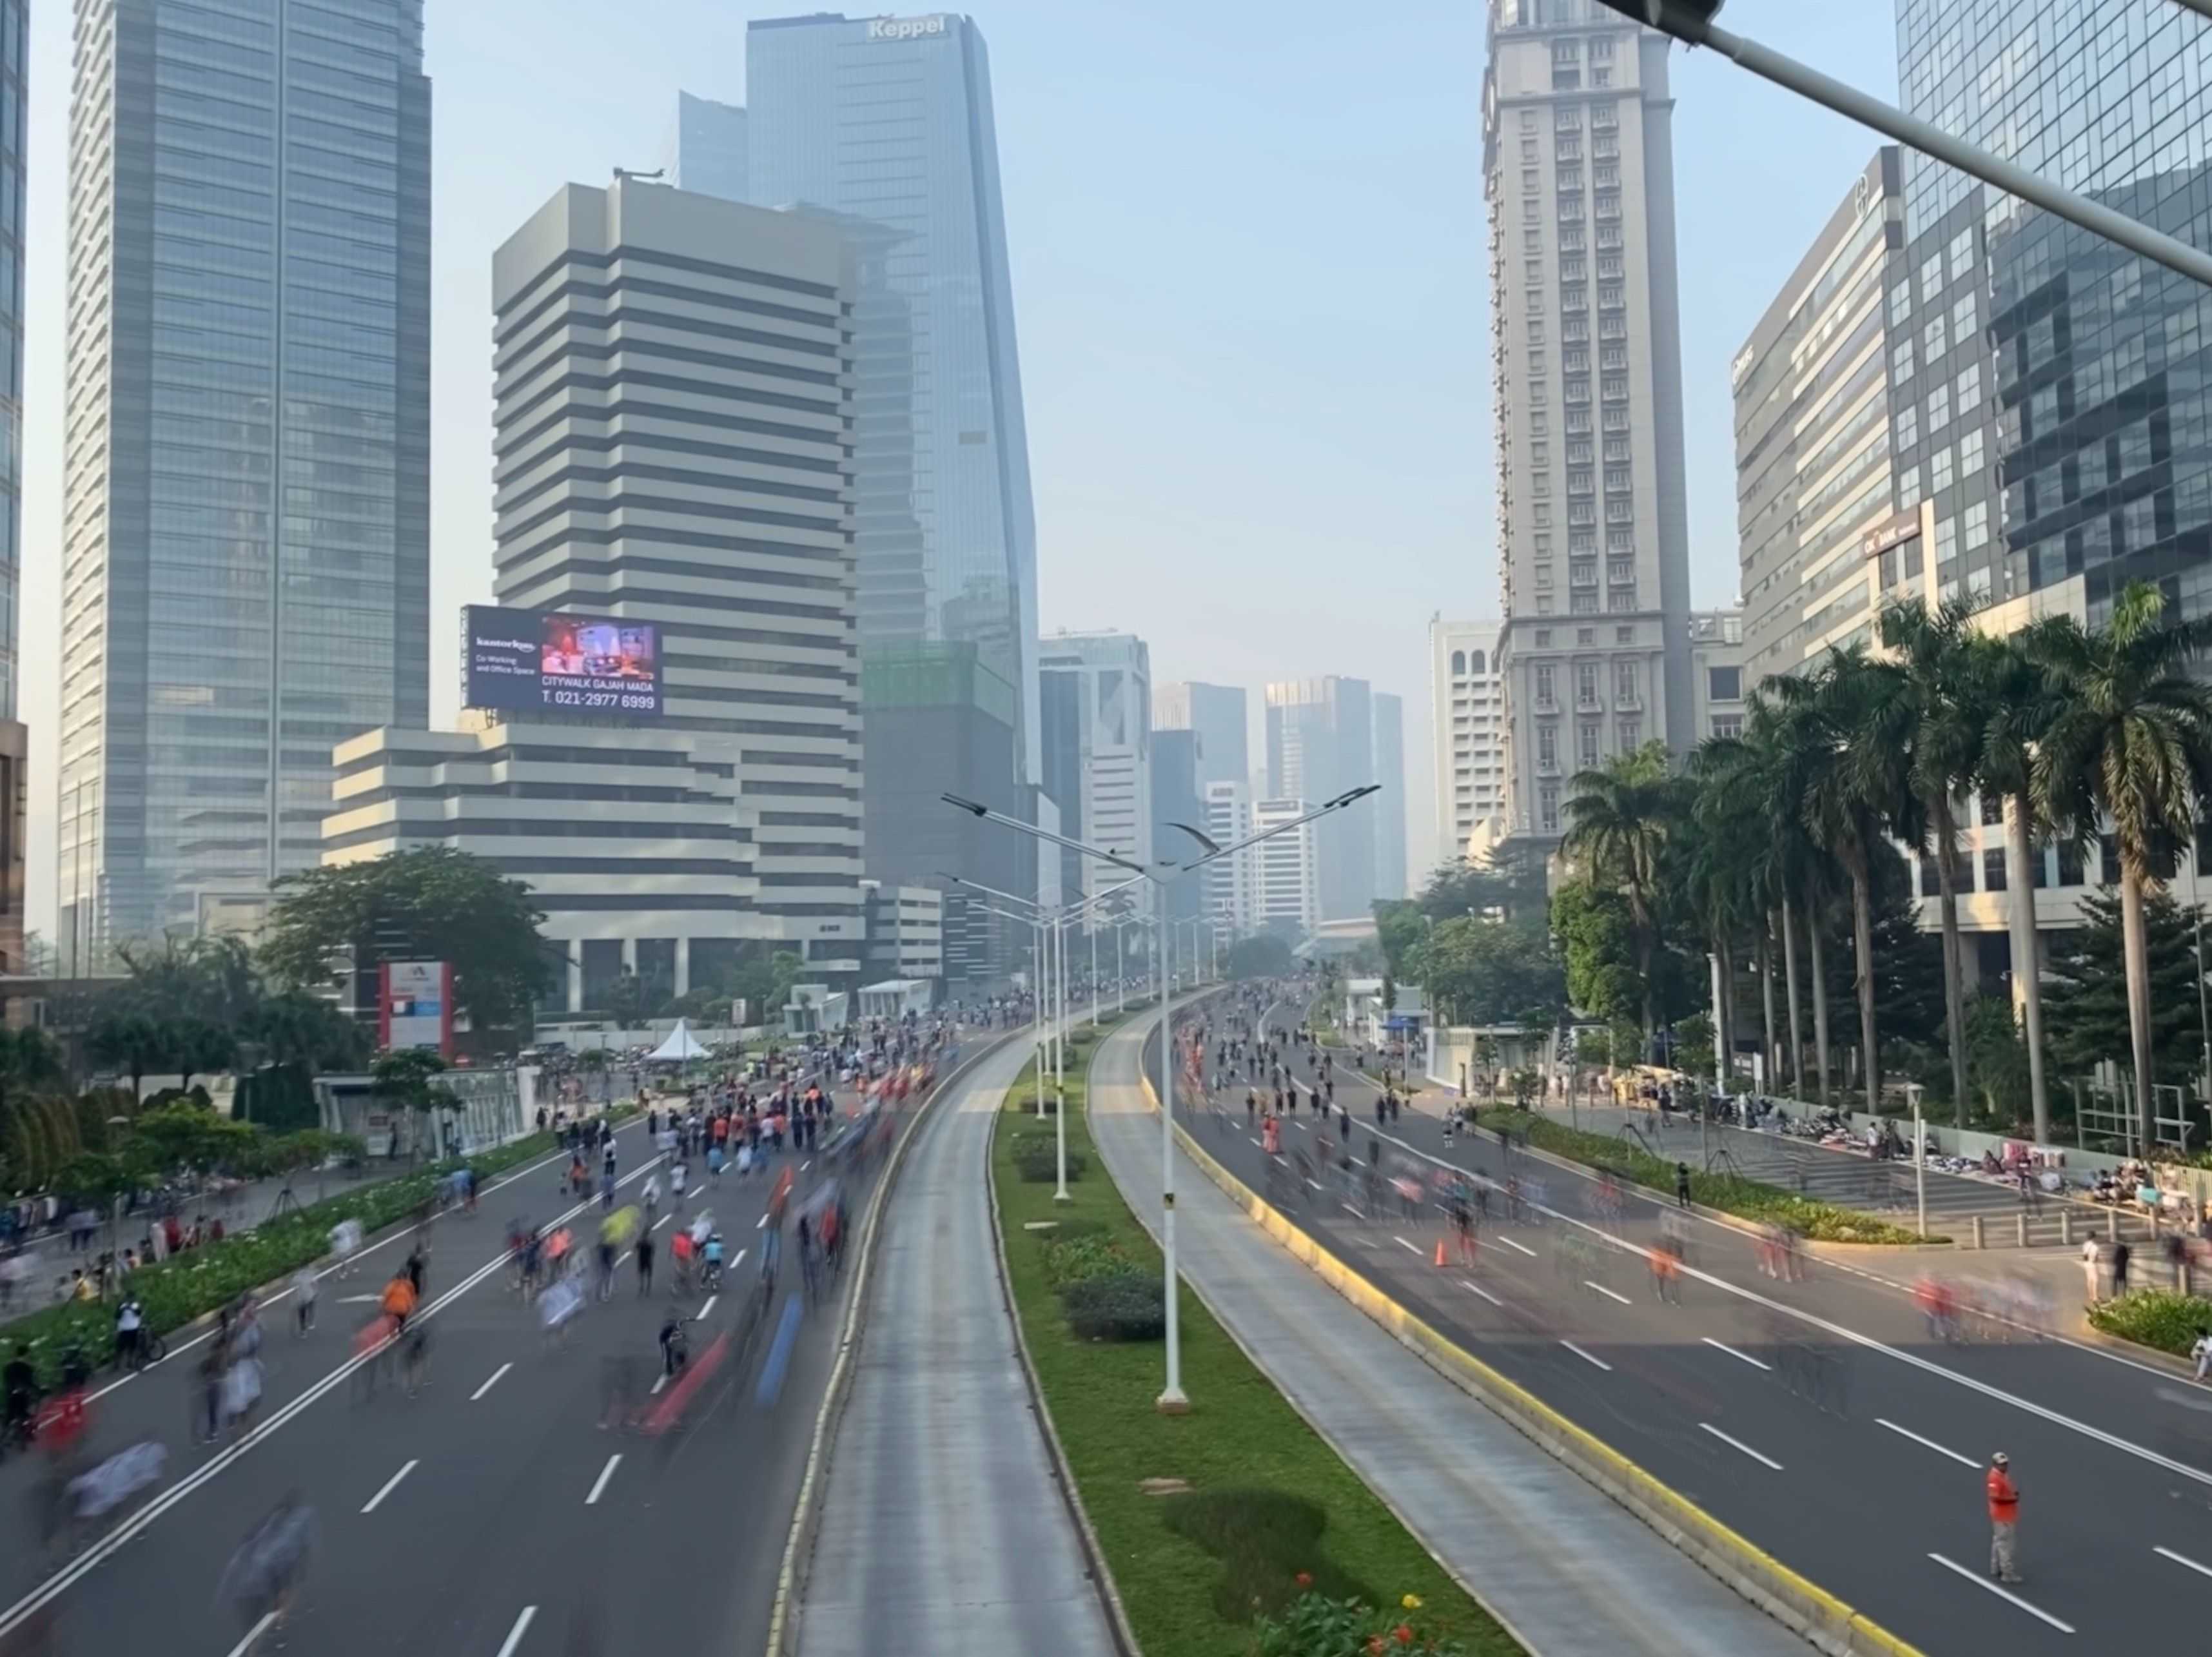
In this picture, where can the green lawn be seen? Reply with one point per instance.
(1269, 1498)
(1731, 1193)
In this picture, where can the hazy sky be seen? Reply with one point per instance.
(1249, 282)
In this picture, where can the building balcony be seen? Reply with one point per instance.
(1544, 704)
(1627, 700)
(1587, 702)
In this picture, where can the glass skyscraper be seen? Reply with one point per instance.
(887, 123)
(710, 148)
(246, 559)
(2088, 364)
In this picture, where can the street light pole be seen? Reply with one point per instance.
(1172, 1400)
(1690, 22)
(1092, 928)
(1060, 1077)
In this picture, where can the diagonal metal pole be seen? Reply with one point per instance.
(1684, 23)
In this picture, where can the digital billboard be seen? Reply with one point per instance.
(415, 1006)
(538, 661)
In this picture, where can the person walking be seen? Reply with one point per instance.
(2120, 1253)
(2092, 1267)
(2004, 1520)
(645, 1263)
(1681, 1185)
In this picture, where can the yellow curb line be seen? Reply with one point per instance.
(1799, 1605)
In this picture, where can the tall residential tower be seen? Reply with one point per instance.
(1593, 540)
(1466, 718)
(1321, 742)
(245, 516)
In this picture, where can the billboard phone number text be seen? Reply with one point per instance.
(644, 700)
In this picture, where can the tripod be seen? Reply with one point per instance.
(286, 1204)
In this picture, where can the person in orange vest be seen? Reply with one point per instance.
(2004, 1520)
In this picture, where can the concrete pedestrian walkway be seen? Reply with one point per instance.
(1567, 1570)
(942, 1529)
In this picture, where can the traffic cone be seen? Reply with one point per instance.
(1440, 1251)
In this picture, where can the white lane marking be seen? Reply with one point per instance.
(1738, 1444)
(2183, 1559)
(1743, 1357)
(1349, 1209)
(1509, 1243)
(390, 1486)
(808, 1163)
(1477, 1289)
(1315, 1183)
(2110, 1440)
(490, 1382)
(1254, 1142)
(2001, 1593)
(1403, 1243)
(50, 1589)
(268, 1621)
(1927, 1443)
(761, 1221)
(663, 1220)
(706, 1310)
(599, 1485)
(1610, 1294)
(522, 1627)
(1297, 1124)
(359, 1300)
(660, 1381)
(1586, 1357)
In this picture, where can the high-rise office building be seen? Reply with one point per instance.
(1593, 537)
(1391, 803)
(669, 430)
(1228, 882)
(1216, 714)
(15, 739)
(1466, 722)
(1286, 871)
(1098, 757)
(245, 515)
(1177, 798)
(709, 150)
(2089, 369)
(1321, 742)
(1814, 474)
(888, 122)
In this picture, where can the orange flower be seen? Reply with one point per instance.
(1305, 1579)
(1402, 1635)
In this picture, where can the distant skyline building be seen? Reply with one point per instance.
(1390, 803)
(1229, 883)
(1218, 712)
(708, 152)
(1098, 756)
(1467, 732)
(1287, 871)
(1593, 532)
(15, 738)
(1177, 798)
(716, 510)
(1813, 437)
(890, 123)
(1321, 742)
(1718, 679)
(245, 516)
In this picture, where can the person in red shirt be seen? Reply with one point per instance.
(2004, 1520)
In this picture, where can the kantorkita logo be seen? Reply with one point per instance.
(906, 28)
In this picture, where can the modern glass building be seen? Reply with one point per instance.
(709, 154)
(2089, 364)
(888, 122)
(245, 522)
(1321, 742)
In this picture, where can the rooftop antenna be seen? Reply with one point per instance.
(623, 173)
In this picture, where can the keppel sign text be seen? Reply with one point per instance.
(905, 28)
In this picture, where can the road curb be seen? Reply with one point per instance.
(806, 1515)
(1807, 1610)
(1094, 1553)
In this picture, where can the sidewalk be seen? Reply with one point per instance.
(1565, 1570)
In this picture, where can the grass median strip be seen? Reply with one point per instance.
(1232, 1529)
(1731, 1193)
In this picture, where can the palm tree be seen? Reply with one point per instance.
(1720, 856)
(1931, 711)
(2129, 742)
(2015, 695)
(1856, 792)
(1620, 818)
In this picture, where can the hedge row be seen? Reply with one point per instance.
(1731, 1193)
(2159, 1318)
(191, 1285)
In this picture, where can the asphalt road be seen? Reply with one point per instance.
(1818, 1417)
(492, 1514)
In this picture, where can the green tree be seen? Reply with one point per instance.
(1398, 927)
(2130, 742)
(1475, 971)
(431, 903)
(2086, 1004)
(407, 1079)
(295, 1028)
(1620, 817)
(1261, 955)
(1597, 948)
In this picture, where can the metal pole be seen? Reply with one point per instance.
(1121, 986)
(1172, 1400)
(2196, 916)
(1094, 972)
(1919, 1165)
(1039, 966)
(1059, 1083)
(1931, 140)
(1059, 998)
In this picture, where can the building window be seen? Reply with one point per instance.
(1962, 318)
(1543, 604)
(2108, 871)
(1939, 469)
(1977, 526)
(1908, 488)
(1544, 676)
(1900, 304)
(1933, 344)
(1946, 541)
(1459, 662)
(1587, 744)
(1621, 598)
(2070, 872)
(1970, 454)
(1993, 868)
(1547, 748)
(1543, 638)
(1632, 734)
(1727, 726)
(1908, 425)
(1624, 635)
(1939, 409)
(1962, 253)
(1532, 180)
(1624, 685)
(1932, 278)
(1543, 575)
(1970, 390)
(1582, 604)
(1901, 361)
(1549, 804)
(1725, 684)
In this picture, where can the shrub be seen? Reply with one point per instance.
(1041, 1166)
(1124, 1305)
(1317, 1626)
(1269, 1544)
(2159, 1318)
(1072, 1260)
